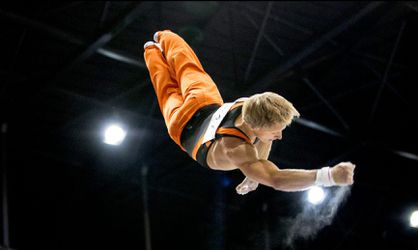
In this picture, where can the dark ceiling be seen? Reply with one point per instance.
(69, 68)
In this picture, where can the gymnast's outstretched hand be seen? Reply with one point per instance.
(247, 185)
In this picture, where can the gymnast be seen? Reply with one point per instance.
(227, 136)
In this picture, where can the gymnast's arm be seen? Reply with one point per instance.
(245, 157)
(263, 149)
(248, 185)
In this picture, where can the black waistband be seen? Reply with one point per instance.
(196, 126)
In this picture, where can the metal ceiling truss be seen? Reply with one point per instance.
(327, 103)
(282, 21)
(94, 47)
(267, 37)
(271, 77)
(385, 75)
(130, 14)
(70, 38)
(106, 105)
(294, 61)
(257, 42)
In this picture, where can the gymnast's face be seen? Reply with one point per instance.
(270, 134)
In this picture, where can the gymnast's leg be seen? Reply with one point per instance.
(188, 78)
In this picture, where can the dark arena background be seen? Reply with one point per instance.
(68, 69)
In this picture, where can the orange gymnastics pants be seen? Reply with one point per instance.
(180, 82)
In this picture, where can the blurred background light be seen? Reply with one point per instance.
(316, 195)
(114, 135)
(414, 219)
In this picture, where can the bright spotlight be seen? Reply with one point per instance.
(316, 195)
(114, 135)
(414, 219)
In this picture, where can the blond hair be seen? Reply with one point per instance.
(267, 109)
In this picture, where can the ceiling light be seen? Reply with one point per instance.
(114, 135)
(316, 195)
(414, 219)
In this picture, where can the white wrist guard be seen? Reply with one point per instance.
(324, 177)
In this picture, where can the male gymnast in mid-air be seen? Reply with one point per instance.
(226, 136)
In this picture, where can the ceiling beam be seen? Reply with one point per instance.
(318, 127)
